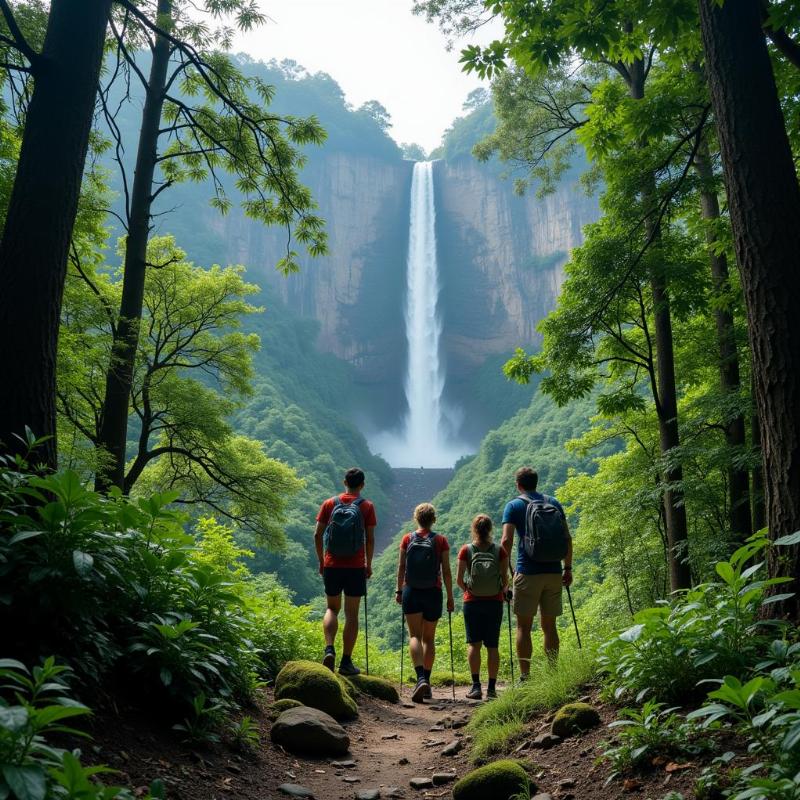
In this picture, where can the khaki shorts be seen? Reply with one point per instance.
(534, 592)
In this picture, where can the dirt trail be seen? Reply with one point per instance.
(390, 745)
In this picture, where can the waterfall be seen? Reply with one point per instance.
(425, 439)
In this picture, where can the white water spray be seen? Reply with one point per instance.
(424, 440)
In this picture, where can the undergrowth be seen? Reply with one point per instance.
(496, 724)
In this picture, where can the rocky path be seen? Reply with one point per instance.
(396, 751)
(390, 746)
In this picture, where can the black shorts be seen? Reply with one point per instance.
(427, 602)
(482, 619)
(350, 580)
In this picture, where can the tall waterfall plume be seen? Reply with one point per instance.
(427, 435)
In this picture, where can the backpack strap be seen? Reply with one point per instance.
(337, 501)
(525, 499)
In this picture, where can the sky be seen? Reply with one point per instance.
(375, 50)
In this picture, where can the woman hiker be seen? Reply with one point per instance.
(424, 563)
(483, 576)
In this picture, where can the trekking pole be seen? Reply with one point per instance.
(452, 668)
(510, 645)
(366, 628)
(402, 647)
(574, 621)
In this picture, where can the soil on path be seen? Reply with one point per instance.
(390, 745)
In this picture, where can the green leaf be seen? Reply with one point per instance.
(23, 535)
(27, 783)
(83, 563)
(785, 541)
(725, 571)
(13, 718)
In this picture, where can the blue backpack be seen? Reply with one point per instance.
(545, 537)
(422, 562)
(344, 534)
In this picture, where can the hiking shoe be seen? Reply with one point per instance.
(429, 693)
(420, 691)
(491, 694)
(329, 659)
(348, 668)
(475, 693)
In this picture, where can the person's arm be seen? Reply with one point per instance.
(507, 542)
(318, 531)
(447, 577)
(370, 548)
(462, 565)
(401, 576)
(567, 579)
(504, 572)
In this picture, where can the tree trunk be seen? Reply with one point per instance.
(119, 378)
(759, 509)
(764, 201)
(730, 381)
(41, 215)
(667, 399)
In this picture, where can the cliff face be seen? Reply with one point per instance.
(501, 262)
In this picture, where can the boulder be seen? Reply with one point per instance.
(454, 748)
(310, 731)
(545, 741)
(574, 718)
(375, 687)
(279, 706)
(501, 780)
(314, 685)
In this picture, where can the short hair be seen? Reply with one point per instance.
(425, 515)
(481, 529)
(527, 478)
(354, 477)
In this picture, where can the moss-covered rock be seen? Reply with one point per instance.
(375, 687)
(501, 780)
(316, 686)
(574, 718)
(279, 706)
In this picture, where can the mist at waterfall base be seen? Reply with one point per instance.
(429, 433)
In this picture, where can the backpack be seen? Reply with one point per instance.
(344, 533)
(422, 562)
(545, 538)
(483, 577)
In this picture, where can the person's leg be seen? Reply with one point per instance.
(330, 625)
(429, 645)
(352, 606)
(493, 662)
(474, 658)
(550, 631)
(524, 645)
(415, 639)
(494, 621)
(525, 603)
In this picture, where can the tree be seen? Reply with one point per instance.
(42, 208)
(378, 112)
(764, 200)
(193, 370)
(184, 139)
(413, 152)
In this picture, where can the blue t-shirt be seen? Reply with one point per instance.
(515, 514)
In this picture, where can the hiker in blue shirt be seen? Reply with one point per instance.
(537, 583)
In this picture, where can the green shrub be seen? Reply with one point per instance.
(32, 767)
(494, 725)
(502, 780)
(314, 685)
(705, 633)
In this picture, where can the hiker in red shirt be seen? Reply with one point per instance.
(424, 562)
(345, 539)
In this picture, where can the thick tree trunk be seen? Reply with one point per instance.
(730, 381)
(759, 508)
(41, 215)
(119, 378)
(667, 399)
(764, 201)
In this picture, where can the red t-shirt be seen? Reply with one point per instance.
(463, 555)
(440, 544)
(370, 521)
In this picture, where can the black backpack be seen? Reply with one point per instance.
(344, 534)
(545, 537)
(422, 561)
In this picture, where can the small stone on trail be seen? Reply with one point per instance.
(566, 783)
(403, 761)
(348, 762)
(295, 790)
(352, 779)
(437, 708)
(435, 728)
(545, 741)
(542, 796)
(408, 705)
(453, 748)
(389, 736)
(393, 792)
(440, 778)
(369, 794)
(421, 783)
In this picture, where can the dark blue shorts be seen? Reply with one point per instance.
(350, 580)
(427, 602)
(482, 619)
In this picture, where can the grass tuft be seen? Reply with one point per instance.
(496, 724)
